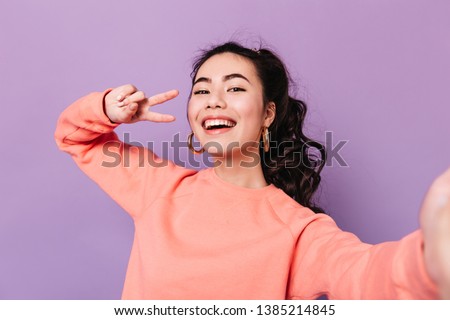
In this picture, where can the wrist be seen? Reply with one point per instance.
(104, 108)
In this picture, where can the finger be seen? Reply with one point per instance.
(133, 106)
(129, 111)
(135, 97)
(162, 97)
(124, 91)
(158, 117)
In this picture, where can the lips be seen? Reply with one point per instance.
(218, 123)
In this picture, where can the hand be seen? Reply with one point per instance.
(125, 104)
(435, 222)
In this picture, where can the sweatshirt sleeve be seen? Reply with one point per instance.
(131, 175)
(335, 263)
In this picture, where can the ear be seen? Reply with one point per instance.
(270, 114)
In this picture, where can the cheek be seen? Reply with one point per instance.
(191, 111)
(253, 111)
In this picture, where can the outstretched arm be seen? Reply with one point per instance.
(416, 267)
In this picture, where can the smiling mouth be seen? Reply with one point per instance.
(213, 124)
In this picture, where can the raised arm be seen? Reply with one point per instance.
(129, 174)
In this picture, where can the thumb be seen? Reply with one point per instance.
(129, 111)
(133, 107)
(442, 244)
(435, 197)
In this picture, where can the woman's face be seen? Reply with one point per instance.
(226, 109)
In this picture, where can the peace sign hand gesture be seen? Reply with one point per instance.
(126, 104)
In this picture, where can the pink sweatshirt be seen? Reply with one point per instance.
(199, 237)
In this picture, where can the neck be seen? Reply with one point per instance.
(247, 174)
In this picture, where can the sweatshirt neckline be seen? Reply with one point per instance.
(236, 190)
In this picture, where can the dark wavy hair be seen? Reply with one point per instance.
(294, 161)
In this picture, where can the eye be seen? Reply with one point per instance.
(201, 91)
(236, 89)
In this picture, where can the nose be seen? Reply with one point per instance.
(216, 100)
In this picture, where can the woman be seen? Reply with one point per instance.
(246, 228)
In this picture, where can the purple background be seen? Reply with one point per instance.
(376, 73)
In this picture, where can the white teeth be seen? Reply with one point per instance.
(218, 122)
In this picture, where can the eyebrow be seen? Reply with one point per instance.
(224, 78)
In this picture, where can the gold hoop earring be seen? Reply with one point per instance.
(265, 138)
(191, 147)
